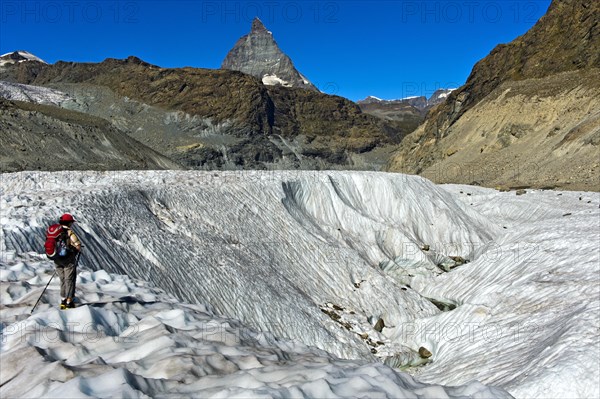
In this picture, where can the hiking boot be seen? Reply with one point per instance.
(70, 305)
(63, 304)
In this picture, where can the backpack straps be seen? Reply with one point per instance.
(73, 240)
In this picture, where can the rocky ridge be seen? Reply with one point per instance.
(527, 115)
(219, 119)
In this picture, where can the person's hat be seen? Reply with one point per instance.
(67, 217)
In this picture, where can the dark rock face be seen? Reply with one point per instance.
(258, 54)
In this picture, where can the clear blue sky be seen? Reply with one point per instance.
(389, 49)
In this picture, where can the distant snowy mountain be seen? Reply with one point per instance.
(409, 110)
(258, 54)
(451, 283)
(370, 99)
(420, 102)
(18, 56)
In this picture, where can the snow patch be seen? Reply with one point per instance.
(273, 80)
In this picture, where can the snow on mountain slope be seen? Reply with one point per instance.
(320, 257)
(129, 339)
(18, 56)
(35, 94)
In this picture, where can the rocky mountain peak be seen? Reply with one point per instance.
(258, 54)
(258, 26)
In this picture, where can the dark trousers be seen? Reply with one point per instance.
(67, 271)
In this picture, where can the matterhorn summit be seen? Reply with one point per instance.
(258, 54)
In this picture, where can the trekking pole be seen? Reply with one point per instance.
(38, 301)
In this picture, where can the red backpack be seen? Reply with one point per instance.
(56, 242)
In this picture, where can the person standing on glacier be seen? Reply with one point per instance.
(63, 247)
